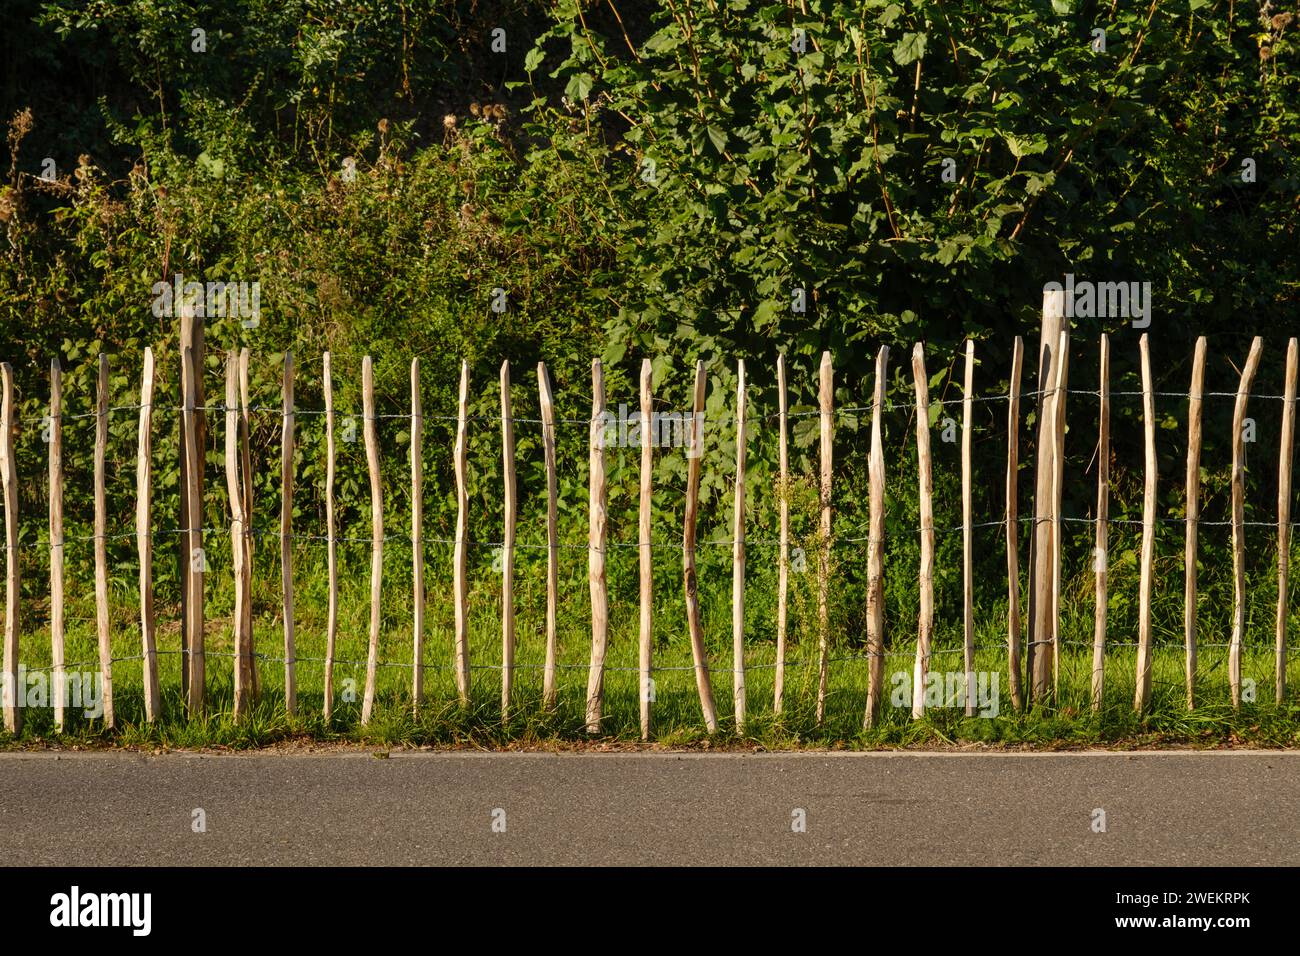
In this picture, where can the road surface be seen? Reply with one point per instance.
(1171, 808)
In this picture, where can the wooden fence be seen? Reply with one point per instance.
(1037, 636)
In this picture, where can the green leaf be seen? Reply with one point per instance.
(717, 137)
(533, 59)
(909, 49)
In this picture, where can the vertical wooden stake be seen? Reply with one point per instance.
(967, 531)
(738, 559)
(1195, 405)
(238, 530)
(925, 620)
(1013, 524)
(143, 544)
(700, 655)
(253, 677)
(101, 543)
(825, 398)
(460, 588)
(332, 620)
(646, 660)
(876, 549)
(1142, 695)
(1285, 457)
(286, 536)
(1101, 545)
(1058, 484)
(783, 555)
(196, 560)
(552, 533)
(508, 549)
(13, 714)
(1042, 549)
(376, 532)
(417, 539)
(596, 550)
(1239, 519)
(56, 537)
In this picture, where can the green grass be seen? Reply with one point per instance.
(677, 716)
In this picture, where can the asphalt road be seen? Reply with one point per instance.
(1238, 808)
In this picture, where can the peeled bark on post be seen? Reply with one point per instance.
(13, 714)
(1142, 695)
(1195, 404)
(699, 654)
(1013, 524)
(783, 554)
(237, 532)
(968, 532)
(596, 519)
(376, 532)
(1239, 520)
(1058, 483)
(417, 539)
(825, 399)
(1042, 546)
(738, 559)
(646, 548)
(286, 537)
(508, 548)
(552, 533)
(196, 560)
(332, 619)
(1285, 457)
(925, 619)
(460, 587)
(101, 543)
(191, 537)
(1100, 552)
(56, 540)
(876, 549)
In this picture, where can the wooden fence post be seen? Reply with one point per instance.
(876, 548)
(596, 550)
(246, 465)
(13, 714)
(238, 531)
(1195, 404)
(1013, 524)
(925, 620)
(646, 548)
(783, 554)
(968, 532)
(1041, 544)
(144, 547)
(417, 539)
(508, 545)
(56, 537)
(1058, 484)
(1285, 457)
(1142, 695)
(332, 620)
(552, 533)
(376, 532)
(825, 399)
(286, 536)
(700, 655)
(1239, 519)
(1100, 551)
(101, 543)
(738, 559)
(196, 559)
(460, 587)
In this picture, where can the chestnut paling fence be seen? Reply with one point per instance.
(1035, 636)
